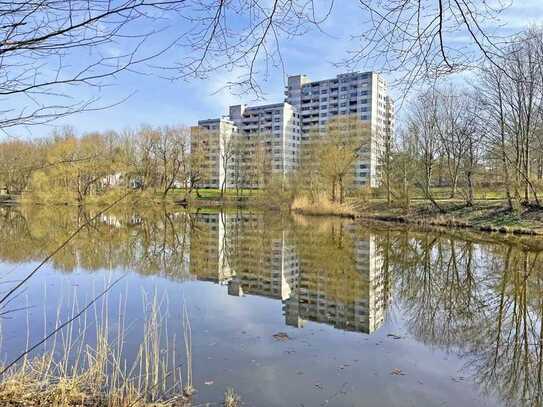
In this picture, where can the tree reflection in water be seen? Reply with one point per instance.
(483, 301)
(468, 294)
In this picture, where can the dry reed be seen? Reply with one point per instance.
(321, 206)
(73, 372)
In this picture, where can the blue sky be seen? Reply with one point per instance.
(157, 101)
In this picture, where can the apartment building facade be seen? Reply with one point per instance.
(252, 142)
(210, 141)
(268, 138)
(363, 95)
(356, 299)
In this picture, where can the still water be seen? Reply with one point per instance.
(287, 310)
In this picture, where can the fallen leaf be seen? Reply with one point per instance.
(281, 336)
(397, 372)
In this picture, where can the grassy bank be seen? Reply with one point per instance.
(200, 198)
(488, 215)
(85, 365)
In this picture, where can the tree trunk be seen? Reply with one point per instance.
(470, 199)
(454, 186)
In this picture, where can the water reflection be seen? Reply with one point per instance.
(475, 297)
(333, 275)
(481, 301)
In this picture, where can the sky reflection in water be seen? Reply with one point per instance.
(376, 316)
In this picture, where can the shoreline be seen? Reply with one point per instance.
(453, 224)
(488, 216)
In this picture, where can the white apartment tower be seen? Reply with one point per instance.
(280, 129)
(211, 139)
(277, 125)
(363, 95)
(272, 130)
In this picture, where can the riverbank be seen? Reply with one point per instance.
(201, 198)
(28, 390)
(484, 215)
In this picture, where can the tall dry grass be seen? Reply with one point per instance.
(73, 371)
(321, 206)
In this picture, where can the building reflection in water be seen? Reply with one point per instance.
(477, 296)
(342, 286)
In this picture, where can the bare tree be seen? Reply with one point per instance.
(330, 158)
(49, 47)
(491, 89)
(425, 134)
(459, 137)
(514, 104)
(425, 39)
(172, 151)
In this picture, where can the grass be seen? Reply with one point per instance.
(215, 194)
(144, 198)
(444, 193)
(484, 215)
(71, 372)
(231, 398)
(321, 206)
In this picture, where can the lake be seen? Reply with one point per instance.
(287, 310)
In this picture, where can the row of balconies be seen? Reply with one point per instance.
(335, 96)
(334, 87)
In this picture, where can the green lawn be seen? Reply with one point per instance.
(444, 193)
(213, 194)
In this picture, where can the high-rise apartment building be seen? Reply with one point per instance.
(354, 300)
(251, 142)
(361, 95)
(271, 136)
(210, 141)
(275, 130)
(240, 250)
(208, 252)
